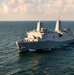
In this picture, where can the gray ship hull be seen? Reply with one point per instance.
(42, 45)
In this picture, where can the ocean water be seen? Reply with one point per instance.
(54, 62)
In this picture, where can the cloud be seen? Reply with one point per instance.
(6, 7)
(69, 7)
(37, 7)
(17, 6)
(22, 6)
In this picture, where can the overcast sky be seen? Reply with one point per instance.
(36, 9)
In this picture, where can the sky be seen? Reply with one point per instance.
(36, 10)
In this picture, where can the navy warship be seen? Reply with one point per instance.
(42, 39)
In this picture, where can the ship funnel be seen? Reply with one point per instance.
(39, 26)
(58, 26)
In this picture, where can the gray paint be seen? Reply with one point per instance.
(41, 44)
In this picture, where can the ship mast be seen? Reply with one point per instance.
(58, 26)
(39, 26)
